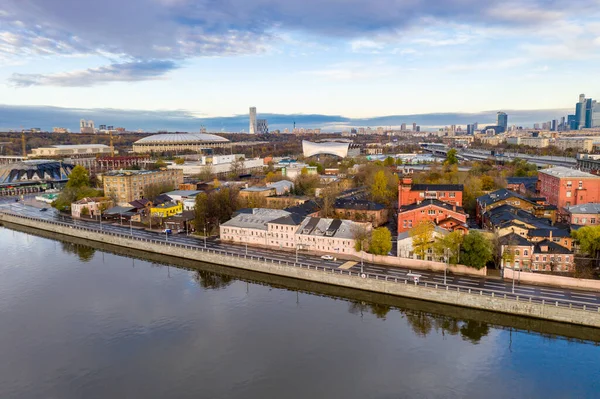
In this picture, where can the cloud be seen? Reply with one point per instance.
(176, 30)
(11, 117)
(126, 72)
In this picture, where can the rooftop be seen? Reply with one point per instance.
(184, 193)
(165, 205)
(73, 146)
(563, 172)
(337, 228)
(515, 239)
(433, 202)
(500, 195)
(362, 205)
(124, 172)
(437, 187)
(258, 189)
(175, 138)
(553, 248)
(585, 209)
(256, 218)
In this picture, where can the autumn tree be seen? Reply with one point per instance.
(422, 238)
(449, 246)
(151, 191)
(588, 239)
(451, 157)
(78, 178)
(362, 236)
(328, 196)
(476, 250)
(381, 241)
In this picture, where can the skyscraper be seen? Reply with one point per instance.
(592, 114)
(580, 113)
(414, 126)
(403, 127)
(262, 127)
(253, 129)
(502, 121)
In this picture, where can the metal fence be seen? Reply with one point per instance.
(546, 301)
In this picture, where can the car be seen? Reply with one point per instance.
(43, 209)
(167, 231)
(327, 257)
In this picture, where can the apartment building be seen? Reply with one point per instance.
(129, 185)
(565, 187)
(409, 193)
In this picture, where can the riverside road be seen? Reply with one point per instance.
(549, 293)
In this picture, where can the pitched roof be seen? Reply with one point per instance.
(500, 195)
(553, 248)
(515, 239)
(519, 180)
(140, 203)
(304, 209)
(437, 187)
(432, 202)
(585, 209)
(546, 233)
(293, 219)
(362, 205)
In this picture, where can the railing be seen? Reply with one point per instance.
(545, 301)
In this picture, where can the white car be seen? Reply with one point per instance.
(327, 257)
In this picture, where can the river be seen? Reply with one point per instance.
(84, 322)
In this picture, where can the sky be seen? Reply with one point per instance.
(170, 63)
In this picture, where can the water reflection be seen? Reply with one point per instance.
(84, 252)
(211, 280)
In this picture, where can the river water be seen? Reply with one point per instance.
(79, 322)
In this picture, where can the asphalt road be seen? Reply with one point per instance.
(537, 292)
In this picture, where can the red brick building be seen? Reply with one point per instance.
(451, 217)
(409, 193)
(566, 187)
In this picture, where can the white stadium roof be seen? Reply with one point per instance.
(174, 138)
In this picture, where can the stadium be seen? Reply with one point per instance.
(177, 142)
(340, 148)
(32, 176)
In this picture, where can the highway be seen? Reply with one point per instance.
(500, 287)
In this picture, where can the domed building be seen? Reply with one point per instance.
(174, 142)
(34, 171)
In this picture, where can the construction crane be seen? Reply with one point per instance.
(23, 146)
(112, 147)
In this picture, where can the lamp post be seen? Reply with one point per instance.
(130, 227)
(204, 235)
(361, 256)
(446, 267)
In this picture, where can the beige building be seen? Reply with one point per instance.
(70, 150)
(129, 185)
(537, 142)
(584, 144)
(90, 206)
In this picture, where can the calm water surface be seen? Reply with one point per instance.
(80, 323)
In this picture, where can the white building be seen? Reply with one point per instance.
(253, 128)
(180, 195)
(284, 230)
(71, 150)
(195, 168)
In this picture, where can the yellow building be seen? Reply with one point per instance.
(167, 209)
(129, 185)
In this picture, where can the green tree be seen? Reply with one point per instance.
(588, 238)
(398, 161)
(179, 161)
(151, 191)
(389, 161)
(422, 238)
(381, 241)
(449, 245)
(451, 158)
(320, 167)
(201, 211)
(78, 178)
(476, 250)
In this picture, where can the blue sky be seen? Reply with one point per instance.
(358, 59)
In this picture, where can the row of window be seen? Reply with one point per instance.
(584, 220)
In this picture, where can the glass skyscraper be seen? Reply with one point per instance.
(502, 121)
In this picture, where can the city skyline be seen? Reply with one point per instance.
(360, 60)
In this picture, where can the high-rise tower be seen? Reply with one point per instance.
(502, 121)
(253, 128)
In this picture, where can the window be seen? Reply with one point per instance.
(568, 194)
(593, 220)
(537, 258)
(431, 212)
(525, 252)
(583, 220)
(569, 184)
(580, 184)
(421, 194)
(544, 259)
(576, 220)
(517, 252)
(452, 195)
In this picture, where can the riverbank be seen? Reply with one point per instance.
(471, 298)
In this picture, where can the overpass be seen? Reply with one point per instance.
(539, 161)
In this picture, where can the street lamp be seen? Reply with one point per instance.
(446, 266)
(204, 235)
(361, 257)
(130, 227)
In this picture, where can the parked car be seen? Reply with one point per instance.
(43, 209)
(167, 231)
(327, 257)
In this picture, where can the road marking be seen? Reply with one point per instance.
(549, 290)
(584, 297)
(466, 282)
(347, 265)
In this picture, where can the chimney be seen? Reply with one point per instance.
(550, 235)
(454, 207)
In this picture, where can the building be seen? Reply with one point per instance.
(181, 195)
(341, 149)
(282, 187)
(536, 207)
(262, 126)
(526, 186)
(584, 214)
(90, 206)
(564, 187)
(515, 252)
(258, 191)
(293, 170)
(502, 122)
(35, 171)
(587, 114)
(405, 244)
(361, 211)
(86, 126)
(166, 209)
(537, 142)
(410, 193)
(129, 185)
(286, 230)
(447, 216)
(60, 130)
(253, 124)
(550, 256)
(71, 150)
(179, 142)
(582, 144)
(589, 163)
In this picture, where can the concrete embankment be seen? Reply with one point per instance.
(341, 278)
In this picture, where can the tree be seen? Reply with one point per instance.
(389, 161)
(398, 161)
(306, 184)
(476, 250)
(78, 178)
(320, 167)
(236, 168)
(422, 238)
(201, 211)
(179, 161)
(381, 241)
(451, 158)
(362, 236)
(449, 245)
(328, 196)
(588, 238)
(85, 211)
(151, 191)
(379, 187)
